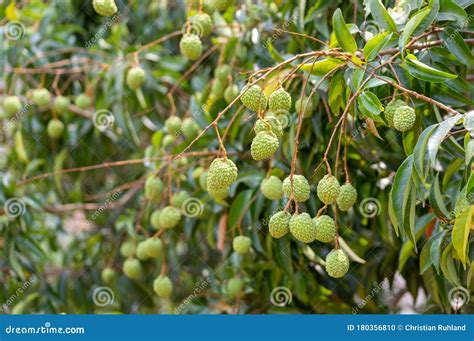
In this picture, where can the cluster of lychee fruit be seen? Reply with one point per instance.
(399, 115)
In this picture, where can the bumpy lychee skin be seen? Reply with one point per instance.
(241, 244)
(105, 8)
(108, 275)
(153, 188)
(234, 287)
(135, 77)
(279, 224)
(264, 145)
(254, 98)
(82, 101)
(325, 229)
(61, 104)
(191, 46)
(279, 101)
(133, 268)
(170, 217)
(303, 228)
(269, 123)
(154, 247)
(328, 189)
(301, 190)
(300, 106)
(222, 173)
(55, 128)
(127, 249)
(404, 118)
(179, 198)
(155, 219)
(337, 263)
(163, 286)
(201, 23)
(272, 188)
(231, 92)
(41, 97)
(12, 105)
(347, 197)
(218, 194)
(390, 109)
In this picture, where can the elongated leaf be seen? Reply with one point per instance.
(433, 7)
(438, 136)
(238, 206)
(435, 251)
(425, 256)
(450, 10)
(324, 66)
(425, 72)
(343, 35)
(460, 234)
(381, 15)
(375, 45)
(420, 151)
(457, 46)
(436, 199)
(411, 26)
(370, 106)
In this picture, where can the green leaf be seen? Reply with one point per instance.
(435, 251)
(323, 67)
(425, 72)
(381, 15)
(375, 45)
(460, 234)
(436, 199)
(425, 256)
(450, 10)
(420, 151)
(370, 106)
(343, 35)
(238, 206)
(411, 26)
(457, 46)
(438, 136)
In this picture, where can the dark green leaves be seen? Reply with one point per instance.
(383, 18)
(343, 35)
(425, 72)
(370, 106)
(375, 45)
(438, 136)
(457, 46)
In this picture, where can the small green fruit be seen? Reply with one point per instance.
(390, 110)
(303, 228)
(153, 188)
(328, 189)
(231, 92)
(300, 106)
(41, 98)
(135, 77)
(155, 219)
(201, 24)
(234, 287)
(141, 250)
(264, 145)
(168, 140)
(108, 275)
(162, 286)
(279, 101)
(179, 198)
(83, 101)
(404, 118)
(55, 128)
(127, 249)
(154, 247)
(325, 229)
(279, 224)
(301, 190)
(222, 173)
(241, 244)
(218, 194)
(254, 98)
(269, 123)
(133, 268)
(337, 263)
(272, 188)
(61, 104)
(106, 8)
(173, 124)
(191, 46)
(190, 128)
(170, 217)
(347, 197)
(12, 105)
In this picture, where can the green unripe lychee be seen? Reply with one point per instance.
(234, 287)
(390, 109)
(127, 249)
(347, 197)
(82, 101)
(153, 188)
(264, 145)
(162, 286)
(218, 194)
(241, 244)
(191, 46)
(272, 188)
(222, 173)
(170, 217)
(337, 263)
(269, 123)
(325, 229)
(154, 247)
(279, 224)
(168, 140)
(302, 227)
(279, 101)
(179, 198)
(222, 72)
(173, 124)
(190, 128)
(155, 219)
(254, 98)
(12, 105)
(135, 77)
(108, 275)
(61, 104)
(55, 128)
(197, 172)
(41, 97)
(141, 250)
(133, 268)
(328, 189)
(301, 190)
(404, 118)
(300, 106)
(231, 92)
(201, 24)
(105, 8)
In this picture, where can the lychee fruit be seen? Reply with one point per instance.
(269, 123)
(264, 145)
(254, 98)
(404, 118)
(162, 286)
(127, 249)
(179, 198)
(191, 46)
(301, 190)
(201, 24)
(241, 244)
(347, 197)
(41, 97)
(325, 229)
(328, 189)
(170, 217)
(154, 247)
(303, 228)
(55, 128)
(390, 109)
(279, 224)
(82, 101)
(135, 77)
(272, 188)
(106, 8)
(234, 287)
(153, 188)
(108, 275)
(222, 173)
(155, 219)
(133, 268)
(173, 124)
(231, 92)
(61, 104)
(279, 101)
(12, 105)
(337, 263)
(300, 106)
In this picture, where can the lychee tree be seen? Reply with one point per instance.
(194, 157)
